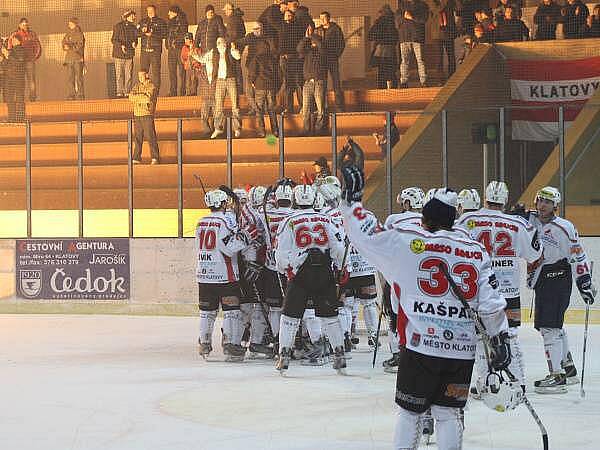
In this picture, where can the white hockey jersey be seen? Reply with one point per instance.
(303, 230)
(507, 238)
(402, 218)
(275, 216)
(358, 265)
(217, 245)
(560, 240)
(431, 320)
(250, 220)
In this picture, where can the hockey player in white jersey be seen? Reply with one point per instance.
(218, 243)
(308, 247)
(468, 200)
(507, 239)
(433, 325)
(564, 259)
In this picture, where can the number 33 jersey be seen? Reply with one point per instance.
(506, 239)
(431, 319)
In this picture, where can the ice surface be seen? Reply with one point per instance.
(115, 382)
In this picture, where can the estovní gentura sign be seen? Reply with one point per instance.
(93, 269)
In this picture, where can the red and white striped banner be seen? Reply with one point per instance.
(538, 88)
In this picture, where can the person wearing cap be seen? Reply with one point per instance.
(73, 44)
(124, 40)
(177, 28)
(33, 50)
(153, 31)
(209, 29)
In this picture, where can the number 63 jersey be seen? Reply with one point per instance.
(431, 319)
(506, 239)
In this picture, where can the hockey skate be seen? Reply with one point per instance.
(427, 426)
(478, 389)
(552, 384)
(571, 374)
(314, 355)
(347, 345)
(391, 365)
(283, 363)
(339, 361)
(204, 349)
(260, 351)
(234, 353)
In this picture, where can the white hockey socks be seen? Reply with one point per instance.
(207, 324)
(481, 364)
(370, 315)
(258, 325)
(553, 347)
(449, 427)
(517, 364)
(275, 318)
(345, 315)
(567, 359)
(231, 327)
(313, 324)
(333, 330)
(287, 331)
(407, 431)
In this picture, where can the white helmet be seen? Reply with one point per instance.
(284, 192)
(331, 179)
(319, 202)
(549, 193)
(413, 195)
(496, 192)
(215, 199)
(304, 195)
(242, 194)
(429, 195)
(257, 195)
(469, 199)
(501, 395)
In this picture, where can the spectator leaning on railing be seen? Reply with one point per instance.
(73, 44)
(33, 50)
(511, 29)
(14, 61)
(143, 96)
(575, 15)
(124, 40)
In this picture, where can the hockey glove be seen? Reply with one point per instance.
(354, 183)
(500, 351)
(252, 272)
(586, 288)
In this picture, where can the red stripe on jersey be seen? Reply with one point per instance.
(230, 273)
(402, 319)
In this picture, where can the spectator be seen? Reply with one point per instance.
(575, 15)
(177, 28)
(498, 11)
(153, 31)
(3, 45)
(321, 168)
(411, 18)
(124, 39)
(593, 23)
(466, 15)
(235, 31)
(257, 43)
(289, 35)
(206, 89)
(73, 44)
(315, 73)
(546, 18)
(33, 50)
(381, 140)
(190, 65)
(334, 45)
(263, 75)
(15, 66)
(209, 29)
(384, 55)
(483, 18)
(220, 73)
(442, 29)
(272, 17)
(352, 154)
(143, 96)
(511, 29)
(479, 37)
(301, 14)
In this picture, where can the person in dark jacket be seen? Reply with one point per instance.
(153, 30)
(73, 44)
(14, 63)
(209, 29)
(593, 23)
(263, 75)
(301, 14)
(334, 45)
(235, 31)
(272, 17)
(315, 72)
(124, 40)
(575, 15)
(384, 56)
(442, 29)
(511, 29)
(546, 18)
(33, 50)
(289, 35)
(411, 18)
(177, 28)
(479, 37)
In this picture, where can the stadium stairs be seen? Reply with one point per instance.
(54, 150)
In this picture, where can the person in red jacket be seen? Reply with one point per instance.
(33, 50)
(190, 65)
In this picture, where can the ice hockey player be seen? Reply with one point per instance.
(468, 200)
(552, 279)
(507, 239)
(218, 243)
(433, 325)
(308, 249)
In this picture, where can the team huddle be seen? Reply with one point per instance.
(290, 266)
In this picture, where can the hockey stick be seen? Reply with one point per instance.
(199, 180)
(377, 336)
(486, 341)
(585, 336)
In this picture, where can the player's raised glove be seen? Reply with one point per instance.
(354, 183)
(500, 351)
(252, 272)
(586, 288)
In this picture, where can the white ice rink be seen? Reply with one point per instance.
(114, 382)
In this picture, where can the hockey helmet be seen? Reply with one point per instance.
(549, 193)
(331, 179)
(284, 192)
(496, 192)
(242, 194)
(216, 198)
(429, 195)
(256, 195)
(319, 202)
(304, 195)
(500, 394)
(413, 195)
(469, 199)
